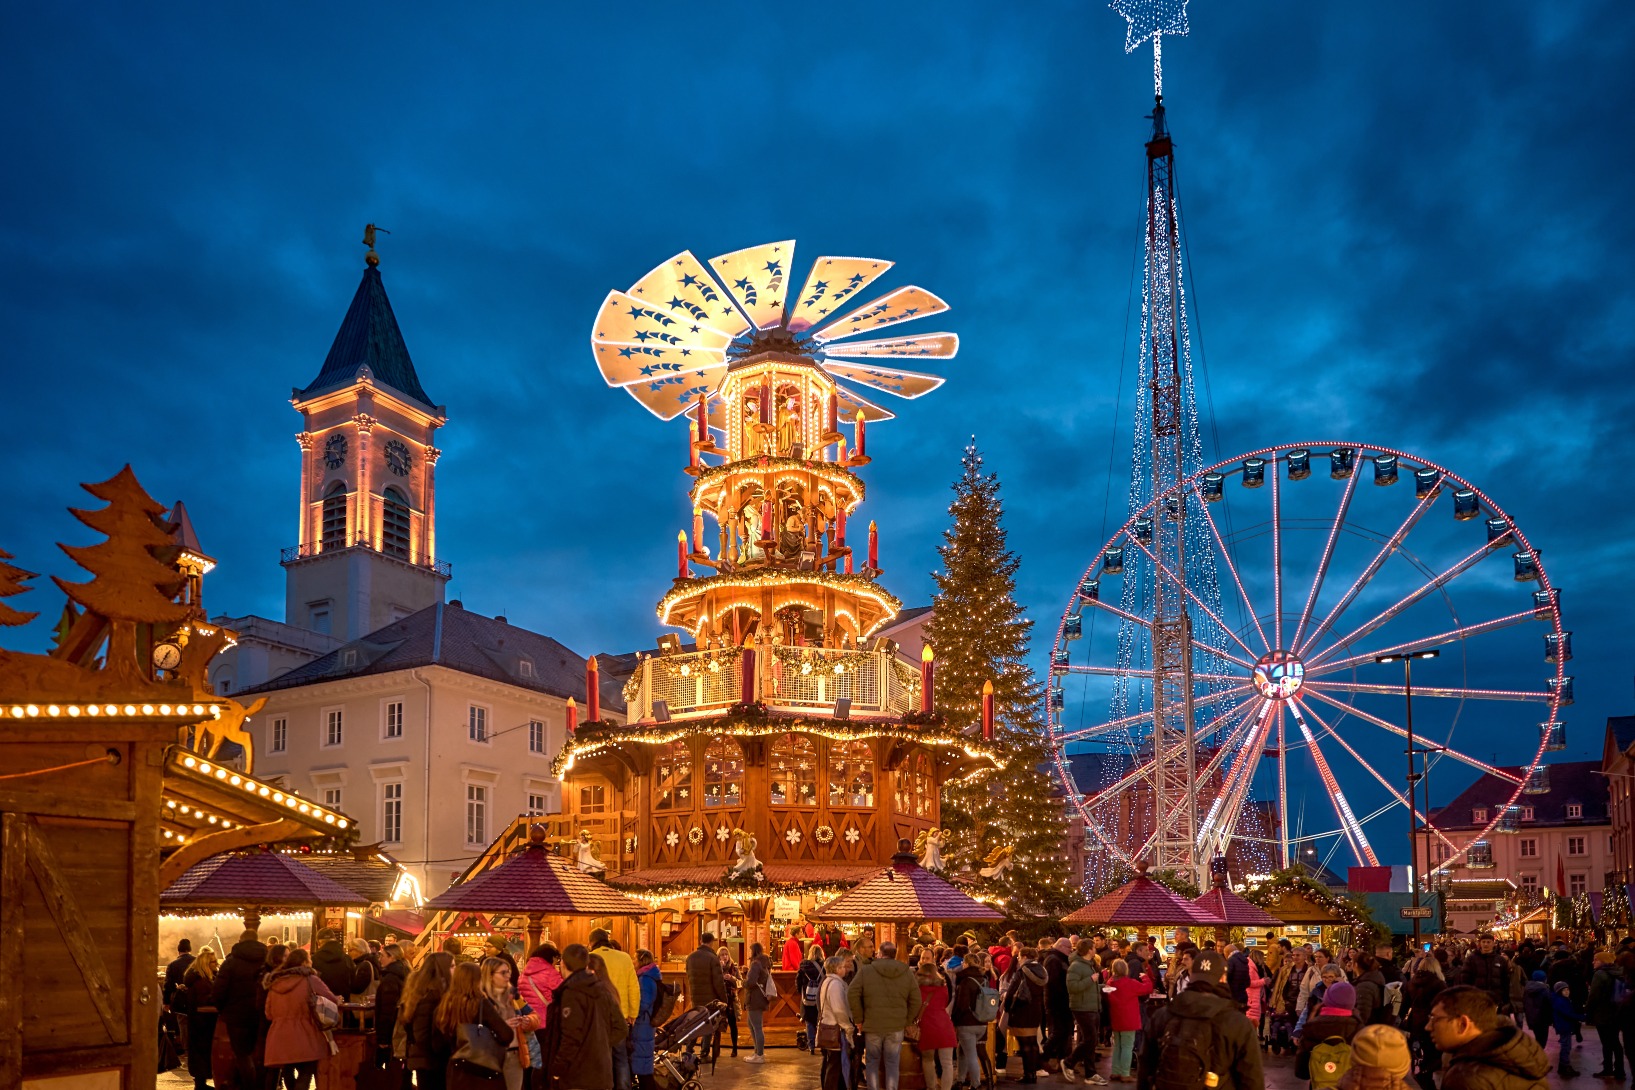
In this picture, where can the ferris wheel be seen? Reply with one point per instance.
(1320, 560)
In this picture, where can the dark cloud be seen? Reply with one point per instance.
(1407, 228)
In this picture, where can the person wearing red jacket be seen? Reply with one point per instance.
(1124, 1016)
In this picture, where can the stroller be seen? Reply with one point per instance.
(676, 1043)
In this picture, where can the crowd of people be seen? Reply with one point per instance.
(1071, 1008)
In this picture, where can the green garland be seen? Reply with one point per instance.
(1352, 912)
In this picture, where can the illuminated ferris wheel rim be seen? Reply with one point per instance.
(1308, 653)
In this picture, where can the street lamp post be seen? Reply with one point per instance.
(1413, 779)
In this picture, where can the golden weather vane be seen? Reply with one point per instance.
(369, 230)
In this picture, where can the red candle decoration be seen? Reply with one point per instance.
(834, 414)
(766, 404)
(746, 693)
(573, 716)
(874, 546)
(927, 676)
(766, 520)
(848, 563)
(703, 414)
(698, 530)
(681, 554)
(987, 710)
(593, 692)
(840, 452)
(692, 454)
(861, 442)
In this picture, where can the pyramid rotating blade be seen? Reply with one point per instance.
(902, 305)
(901, 383)
(684, 288)
(831, 283)
(850, 402)
(625, 319)
(629, 364)
(758, 280)
(930, 346)
(670, 396)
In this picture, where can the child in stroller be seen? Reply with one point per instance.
(676, 1045)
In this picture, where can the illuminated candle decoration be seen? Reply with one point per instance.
(747, 677)
(861, 442)
(698, 529)
(692, 455)
(681, 554)
(874, 546)
(927, 676)
(766, 520)
(840, 525)
(593, 691)
(703, 414)
(834, 414)
(766, 404)
(987, 711)
(572, 716)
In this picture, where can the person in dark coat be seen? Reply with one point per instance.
(194, 998)
(1058, 1025)
(468, 1002)
(1489, 970)
(1484, 1050)
(585, 1023)
(1603, 1012)
(808, 983)
(1538, 1008)
(707, 984)
(417, 1009)
(174, 973)
(332, 964)
(650, 979)
(1237, 977)
(389, 994)
(1234, 1056)
(1023, 1004)
(1419, 994)
(237, 999)
(1370, 984)
(1335, 1017)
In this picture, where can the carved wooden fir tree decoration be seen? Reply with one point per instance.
(129, 585)
(981, 634)
(12, 580)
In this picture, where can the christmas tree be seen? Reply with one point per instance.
(12, 579)
(129, 585)
(980, 634)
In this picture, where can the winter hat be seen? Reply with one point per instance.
(1561, 986)
(1209, 967)
(1538, 974)
(1383, 1047)
(1341, 994)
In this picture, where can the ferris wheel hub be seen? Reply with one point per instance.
(1279, 675)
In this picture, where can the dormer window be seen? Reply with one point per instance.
(1479, 815)
(349, 657)
(525, 668)
(1527, 813)
(1575, 811)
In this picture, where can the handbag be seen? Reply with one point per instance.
(828, 1036)
(476, 1045)
(325, 1011)
(911, 1032)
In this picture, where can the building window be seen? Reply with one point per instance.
(332, 727)
(476, 815)
(394, 524)
(1575, 845)
(1480, 854)
(391, 812)
(794, 771)
(851, 774)
(536, 804)
(536, 736)
(1529, 883)
(1527, 813)
(477, 724)
(1529, 848)
(334, 527)
(349, 657)
(318, 617)
(914, 793)
(1574, 811)
(1576, 884)
(593, 799)
(394, 719)
(723, 773)
(525, 668)
(280, 735)
(1479, 815)
(673, 778)
(332, 797)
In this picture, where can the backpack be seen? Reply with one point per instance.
(664, 1004)
(1330, 1060)
(809, 994)
(986, 1007)
(1183, 1053)
(1021, 995)
(1392, 1005)
(1620, 991)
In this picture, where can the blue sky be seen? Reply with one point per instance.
(1409, 230)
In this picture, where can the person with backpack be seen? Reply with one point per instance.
(296, 1041)
(1324, 1054)
(1537, 1007)
(1370, 985)
(759, 991)
(835, 1028)
(1199, 1034)
(656, 1002)
(976, 1006)
(808, 983)
(1084, 998)
(1123, 995)
(1609, 994)
(1022, 1002)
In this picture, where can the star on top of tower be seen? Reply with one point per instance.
(1148, 19)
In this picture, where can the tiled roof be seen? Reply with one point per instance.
(369, 337)
(1577, 782)
(1142, 901)
(1621, 727)
(449, 635)
(1224, 904)
(775, 873)
(534, 880)
(370, 876)
(259, 878)
(907, 891)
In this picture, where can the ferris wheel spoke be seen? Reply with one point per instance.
(1428, 690)
(1368, 717)
(1277, 554)
(1219, 824)
(1328, 557)
(1391, 545)
(1114, 671)
(1199, 602)
(1436, 582)
(1199, 645)
(1342, 808)
(1136, 773)
(1440, 640)
(1220, 542)
(1123, 724)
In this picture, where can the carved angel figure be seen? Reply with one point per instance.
(743, 848)
(589, 854)
(928, 846)
(999, 861)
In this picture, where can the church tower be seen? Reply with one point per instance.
(367, 549)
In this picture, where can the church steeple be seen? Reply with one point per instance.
(366, 553)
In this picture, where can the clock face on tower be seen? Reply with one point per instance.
(397, 457)
(335, 451)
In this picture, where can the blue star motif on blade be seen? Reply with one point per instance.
(1147, 18)
(774, 267)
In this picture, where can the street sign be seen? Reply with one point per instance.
(1423, 912)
